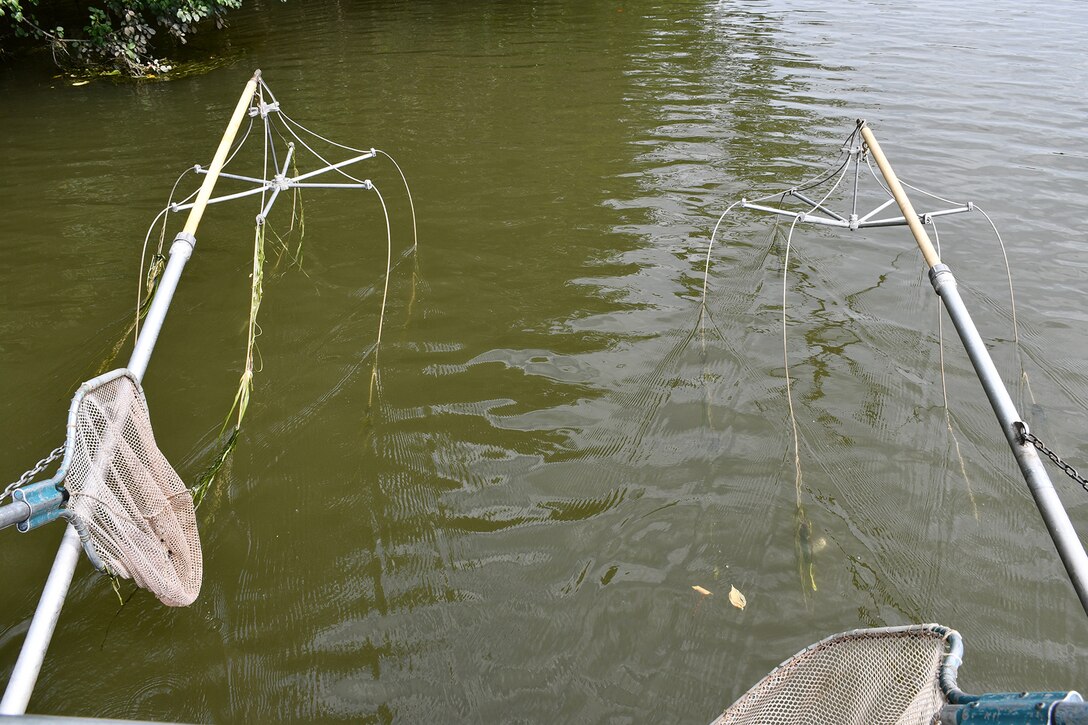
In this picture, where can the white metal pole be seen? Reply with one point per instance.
(29, 664)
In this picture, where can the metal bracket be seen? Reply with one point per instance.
(262, 109)
(45, 501)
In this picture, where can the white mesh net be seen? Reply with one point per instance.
(888, 675)
(139, 514)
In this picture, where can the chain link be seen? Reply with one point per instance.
(1065, 467)
(38, 468)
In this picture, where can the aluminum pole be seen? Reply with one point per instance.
(29, 664)
(1065, 537)
(25, 674)
(180, 251)
(14, 513)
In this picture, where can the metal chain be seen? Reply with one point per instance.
(1069, 470)
(38, 468)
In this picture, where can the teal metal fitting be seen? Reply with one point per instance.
(1018, 708)
(45, 501)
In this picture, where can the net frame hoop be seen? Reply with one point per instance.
(946, 676)
(57, 481)
(951, 660)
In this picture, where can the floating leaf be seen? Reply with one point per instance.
(736, 598)
(80, 83)
(704, 592)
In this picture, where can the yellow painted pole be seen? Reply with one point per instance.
(220, 157)
(916, 228)
(185, 242)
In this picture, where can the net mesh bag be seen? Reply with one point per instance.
(888, 675)
(138, 512)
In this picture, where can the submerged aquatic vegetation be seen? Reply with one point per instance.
(256, 294)
(251, 366)
(231, 426)
(149, 282)
(207, 478)
(806, 547)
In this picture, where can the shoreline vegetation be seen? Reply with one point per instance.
(133, 38)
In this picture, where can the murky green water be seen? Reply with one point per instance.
(509, 526)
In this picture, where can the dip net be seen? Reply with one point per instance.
(888, 675)
(138, 513)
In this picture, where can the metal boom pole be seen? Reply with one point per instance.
(1042, 489)
(25, 673)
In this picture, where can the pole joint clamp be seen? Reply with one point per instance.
(939, 276)
(186, 238)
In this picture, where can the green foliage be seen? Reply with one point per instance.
(120, 35)
(12, 12)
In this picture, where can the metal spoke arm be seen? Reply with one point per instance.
(857, 151)
(837, 220)
(280, 182)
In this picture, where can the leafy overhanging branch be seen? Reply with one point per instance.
(120, 35)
